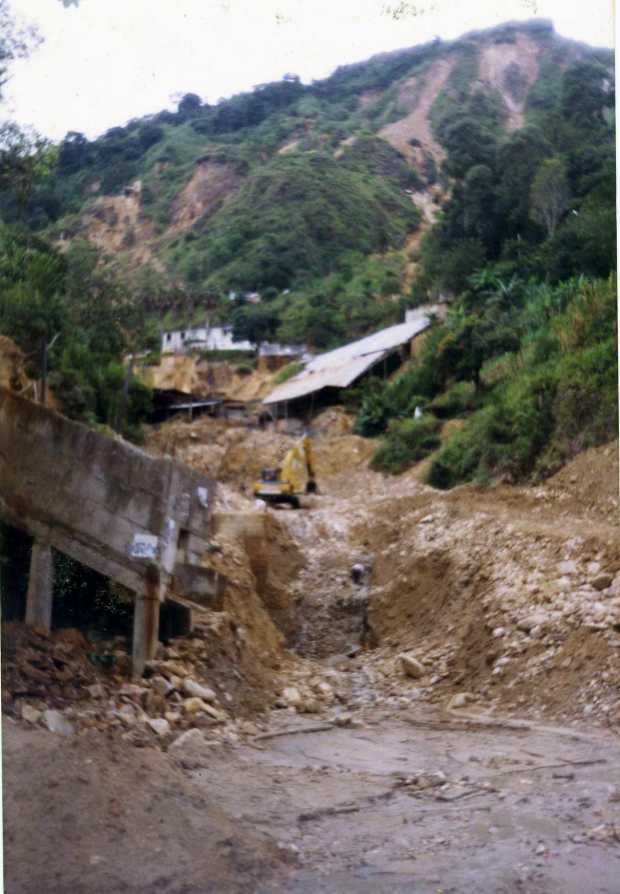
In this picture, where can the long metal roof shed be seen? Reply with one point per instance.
(341, 367)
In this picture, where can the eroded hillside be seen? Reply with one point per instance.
(172, 191)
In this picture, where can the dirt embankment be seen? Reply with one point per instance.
(512, 595)
(192, 375)
(236, 454)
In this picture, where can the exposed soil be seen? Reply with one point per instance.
(116, 224)
(420, 96)
(512, 69)
(208, 189)
(444, 719)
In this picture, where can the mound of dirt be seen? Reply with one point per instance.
(590, 482)
(333, 421)
(86, 814)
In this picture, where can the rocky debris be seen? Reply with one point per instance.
(38, 665)
(172, 699)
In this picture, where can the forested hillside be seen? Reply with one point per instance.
(479, 171)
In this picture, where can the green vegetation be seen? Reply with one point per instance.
(525, 248)
(287, 372)
(75, 344)
(302, 201)
(407, 442)
(293, 219)
(528, 408)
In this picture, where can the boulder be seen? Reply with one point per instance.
(57, 723)
(568, 567)
(460, 700)
(160, 685)
(135, 693)
(602, 582)
(218, 716)
(192, 688)
(531, 621)
(411, 666)
(159, 726)
(343, 719)
(194, 705)
(309, 706)
(96, 690)
(30, 714)
(292, 696)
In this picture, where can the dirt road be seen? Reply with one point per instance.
(383, 807)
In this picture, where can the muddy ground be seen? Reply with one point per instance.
(448, 722)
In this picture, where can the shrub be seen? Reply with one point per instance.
(407, 442)
(458, 399)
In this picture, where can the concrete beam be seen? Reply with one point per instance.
(146, 620)
(40, 586)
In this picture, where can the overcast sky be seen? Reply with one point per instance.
(106, 61)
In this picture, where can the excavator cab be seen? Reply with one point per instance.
(269, 475)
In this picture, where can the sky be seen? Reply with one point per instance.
(104, 62)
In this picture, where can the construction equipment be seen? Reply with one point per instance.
(294, 478)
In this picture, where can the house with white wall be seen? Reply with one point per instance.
(219, 338)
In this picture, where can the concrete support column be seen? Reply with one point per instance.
(146, 621)
(40, 586)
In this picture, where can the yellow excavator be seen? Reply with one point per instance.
(294, 478)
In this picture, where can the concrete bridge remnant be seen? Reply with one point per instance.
(142, 521)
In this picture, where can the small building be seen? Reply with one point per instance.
(205, 338)
(219, 338)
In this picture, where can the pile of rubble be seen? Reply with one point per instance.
(63, 682)
(506, 610)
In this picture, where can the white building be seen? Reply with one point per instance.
(205, 338)
(219, 338)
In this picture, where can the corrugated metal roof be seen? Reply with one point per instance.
(339, 368)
